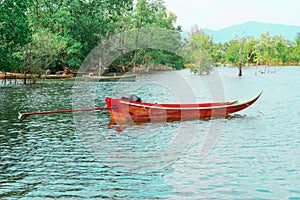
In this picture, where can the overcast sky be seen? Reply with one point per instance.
(218, 14)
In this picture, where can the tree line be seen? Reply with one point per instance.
(242, 50)
(36, 35)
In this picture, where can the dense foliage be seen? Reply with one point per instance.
(14, 32)
(48, 34)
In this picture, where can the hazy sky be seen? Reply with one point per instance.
(218, 14)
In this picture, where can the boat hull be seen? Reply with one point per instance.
(22, 76)
(50, 76)
(127, 111)
(124, 78)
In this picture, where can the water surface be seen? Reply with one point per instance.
(253, 154)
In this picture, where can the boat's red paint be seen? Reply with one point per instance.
(127, 111)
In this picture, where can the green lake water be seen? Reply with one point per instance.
(253, 154)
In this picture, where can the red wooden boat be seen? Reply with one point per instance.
(125, 111)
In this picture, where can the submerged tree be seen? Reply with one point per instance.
(236, 53)
(199, 51)
(202, 62)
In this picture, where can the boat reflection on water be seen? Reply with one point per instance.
(119, 128)
(114, 78)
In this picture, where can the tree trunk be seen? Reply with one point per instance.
(4, 78)
(15, 78)
(24, 80)
(256, 69)
(62, 30)
(240, 69)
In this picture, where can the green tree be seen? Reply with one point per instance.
(267, 48)
(232, 52)
(153, 13)
(251, 50)
(294, 55)
(82, 24)
(202, 62)
(200, 51)
(281, 46)
(237, 52)
(40, 54)
(14, 32)
(218, 53)
(148, 14)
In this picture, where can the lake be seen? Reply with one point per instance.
(253, 154)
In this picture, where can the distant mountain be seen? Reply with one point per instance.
(254, 29)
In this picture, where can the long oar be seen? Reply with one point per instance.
(23, 116)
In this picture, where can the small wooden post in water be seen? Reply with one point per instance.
(240, 68)
(4, 78)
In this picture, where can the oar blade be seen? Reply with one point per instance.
(22, 116)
